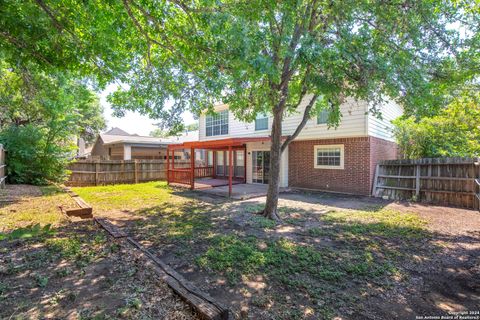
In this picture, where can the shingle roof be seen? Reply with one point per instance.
(185, 137)
(111, 139)
(116, 135)
(117, 132)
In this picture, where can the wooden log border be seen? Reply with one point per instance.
(85, 211)
(206, 306)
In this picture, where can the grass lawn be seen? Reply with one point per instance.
(40, 207)
(125, 196)
(53, 269)
(321, 262)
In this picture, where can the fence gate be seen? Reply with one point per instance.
(444, 181)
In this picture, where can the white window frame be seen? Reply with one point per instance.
(215, 121)
(323, 113)
(261, 117)
(329, 146)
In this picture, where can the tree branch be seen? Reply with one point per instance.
(22, 45)
(139, 27)
(306, 116)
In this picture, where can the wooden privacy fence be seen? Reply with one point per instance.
(3, 175)
(444, 181)
(102, 172)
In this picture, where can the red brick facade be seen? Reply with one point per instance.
(360, 157)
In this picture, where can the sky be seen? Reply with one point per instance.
(132, 122)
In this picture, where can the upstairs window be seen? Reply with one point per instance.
(322, 116)
(329, 156)
(217, 124)
(261, 122)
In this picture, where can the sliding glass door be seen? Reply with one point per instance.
(222, 163)
(260, 166)
(220, 167)
(239, 164)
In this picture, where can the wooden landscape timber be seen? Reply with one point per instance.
(111, 228)
(206, 307)
(444, 181)
(85, 211)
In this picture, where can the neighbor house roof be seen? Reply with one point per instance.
(117, 135)
(186, 136)
(117, 132)
(113, 139)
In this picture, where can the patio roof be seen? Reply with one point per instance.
(212, 144)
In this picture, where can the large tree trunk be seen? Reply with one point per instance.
(276, 150)
(271, 205)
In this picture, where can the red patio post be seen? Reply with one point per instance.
(214, 162)
(192, 168)
(168, 165)
(230, 170)
(245, 164)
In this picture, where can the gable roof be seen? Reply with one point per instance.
(117, 135)
(186, 136)
(117, 132)
(111, 139)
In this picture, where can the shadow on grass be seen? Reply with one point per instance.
(198, 195)
(16, 193)
(338, 200)
(78, 271)
(350, 263)
(55, 272)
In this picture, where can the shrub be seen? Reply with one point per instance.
(454, 132)
(33, 156)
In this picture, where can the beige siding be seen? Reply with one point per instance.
(382, 128)
(353, 124)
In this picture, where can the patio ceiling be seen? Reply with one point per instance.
(214, 144)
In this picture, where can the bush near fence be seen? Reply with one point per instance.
(103, 172)
(443, 181)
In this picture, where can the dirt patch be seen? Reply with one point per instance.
(81, 273)
(18, 192)
(445, 220)
(351, 257)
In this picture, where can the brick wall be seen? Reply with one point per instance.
(380, 150)
(360, 156)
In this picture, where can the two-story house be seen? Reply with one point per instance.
(341, 159)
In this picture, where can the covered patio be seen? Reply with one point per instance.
(213, 163)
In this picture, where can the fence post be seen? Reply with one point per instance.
(476, 164)
(417, 182)
(136, 170)
(3, 175)
(375, 180)
(97, 167)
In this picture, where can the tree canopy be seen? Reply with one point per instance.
(259, 56)
(178, 55)
(42, 115)
(454, 132)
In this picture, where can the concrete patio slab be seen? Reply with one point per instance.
(239, 191)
